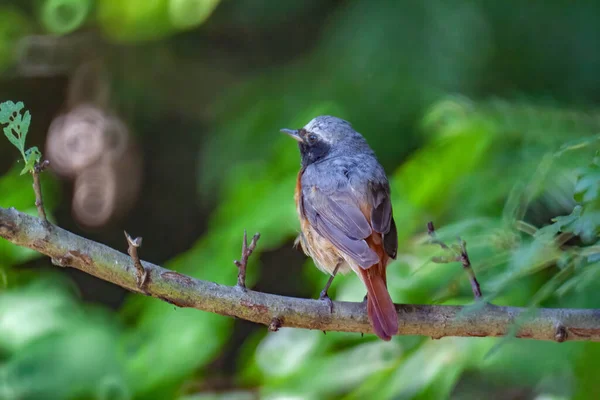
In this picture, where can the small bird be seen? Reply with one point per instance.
(343, 202)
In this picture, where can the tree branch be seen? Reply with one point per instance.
(68, 249)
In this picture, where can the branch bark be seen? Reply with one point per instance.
(68, 249)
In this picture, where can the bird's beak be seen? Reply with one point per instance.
(293, 133)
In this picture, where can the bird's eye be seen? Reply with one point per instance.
(311, 138)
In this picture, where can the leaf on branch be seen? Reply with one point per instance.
(17, 125)
(579, 143)
(13, 138)
(564, 223)
(8, 109)
(32, 157)
(16, 129)
(588, 183)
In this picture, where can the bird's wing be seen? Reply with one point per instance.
(336, 215)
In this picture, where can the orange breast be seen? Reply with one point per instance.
(298, 191)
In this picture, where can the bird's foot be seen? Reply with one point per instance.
(325, 297)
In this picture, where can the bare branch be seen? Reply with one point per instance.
(142, 274)
(279, 311)
(461, 255)
(246, 253)
(37, 187)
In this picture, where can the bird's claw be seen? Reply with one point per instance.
(325, 297)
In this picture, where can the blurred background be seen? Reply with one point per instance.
(162, 117)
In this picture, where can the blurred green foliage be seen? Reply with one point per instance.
(63, 16)
(14, 25)
(516, 176)
(140, 20)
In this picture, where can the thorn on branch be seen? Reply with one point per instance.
(561, 333)
(246, 253)
(63, 261)
(142, 273)
(457, 253)
(38, 168)
(275, 324)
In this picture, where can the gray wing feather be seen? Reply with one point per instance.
(357, 249)
(346, 217)
(338, 218)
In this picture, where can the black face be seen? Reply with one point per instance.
(312, 148)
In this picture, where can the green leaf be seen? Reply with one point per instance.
(559, 225)
(17, 124)
(588, 184)
(46, 345)
(8, 132)
(439, 364)
(285, 353)
(24, 126)
(45, 307)
(339, 370)
(218, 395)
(8, 110)
(530, 362)
(577, 144)
(32, 156)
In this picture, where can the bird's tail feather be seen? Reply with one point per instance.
(380, 307)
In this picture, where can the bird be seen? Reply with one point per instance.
(343, 203)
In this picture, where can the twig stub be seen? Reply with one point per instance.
(38, 168)
(561, 333)
(142, 273)
(275, 324)
(460, 254)
(466, 262)
(246, 253)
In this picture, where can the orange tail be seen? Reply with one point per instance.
(381, 309)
